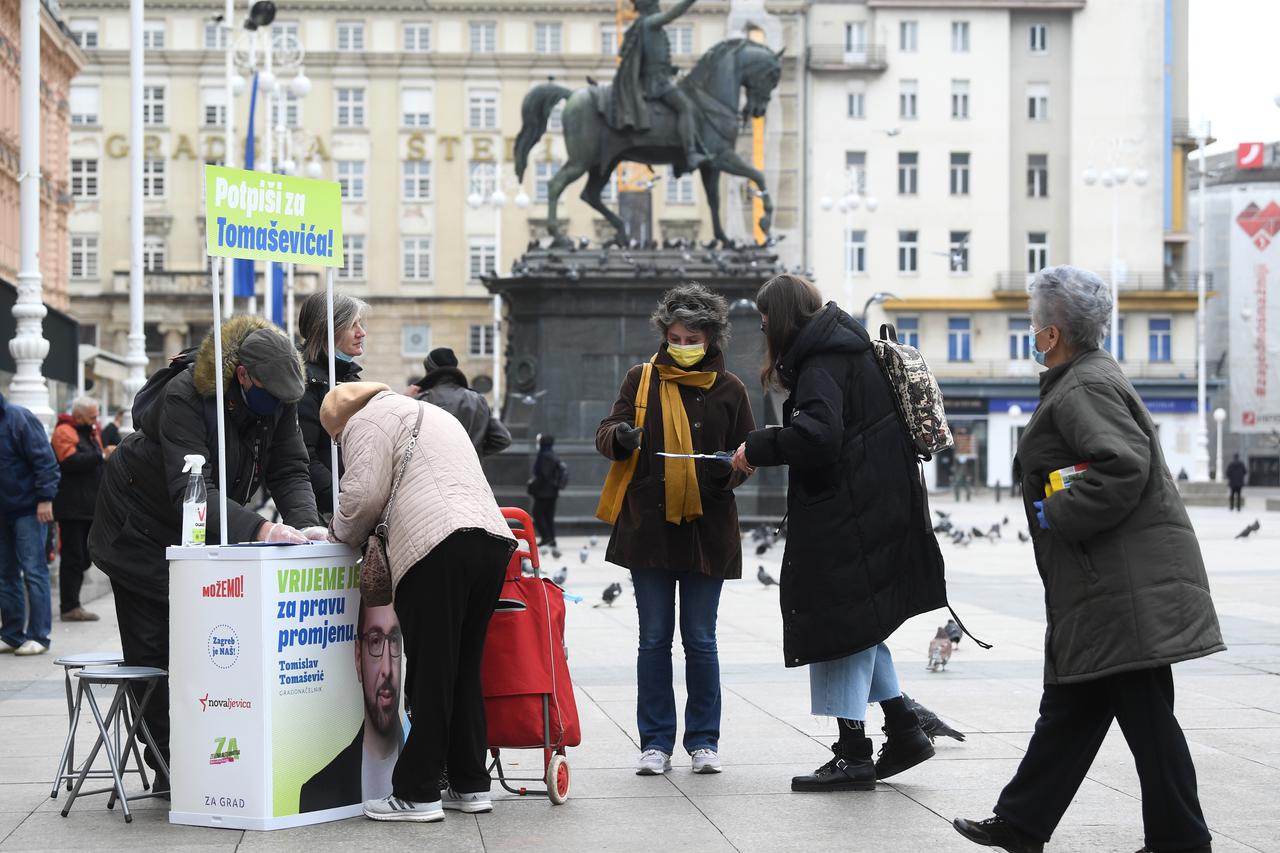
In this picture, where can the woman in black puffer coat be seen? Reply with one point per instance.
(861, 557)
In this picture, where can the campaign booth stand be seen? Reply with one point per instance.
(263, 691)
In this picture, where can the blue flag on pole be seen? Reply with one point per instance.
(277, 294)
(244, 268)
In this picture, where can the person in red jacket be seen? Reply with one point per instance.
(77, 445)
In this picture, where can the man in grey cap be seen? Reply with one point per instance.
(444, 385)
(139, 509)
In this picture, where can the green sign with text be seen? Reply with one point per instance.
(268, 217)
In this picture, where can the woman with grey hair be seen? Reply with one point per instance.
(1126, 590)
(348, 338)
(675, 522)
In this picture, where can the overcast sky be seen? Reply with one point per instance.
(1234, 78)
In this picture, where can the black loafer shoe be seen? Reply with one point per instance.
(995, 832)
(902, 750)
(1204, 848)
(839, 774)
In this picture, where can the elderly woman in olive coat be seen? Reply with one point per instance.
(1125, 584)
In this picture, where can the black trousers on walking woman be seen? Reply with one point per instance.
(444, 604)
(1074, 719)
(544, 519)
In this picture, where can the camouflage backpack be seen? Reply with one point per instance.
(916, 394)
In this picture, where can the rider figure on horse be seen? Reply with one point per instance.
(645, 74)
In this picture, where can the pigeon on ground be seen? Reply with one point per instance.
(556, 553)
(976, 533)
(931, 723)
(1251, 529)
(939, 651)
(764, 577)
(593, 541)
(763, 548)
(1023, 536)
(954, 632)
(561, 576)
(959, 537)
(611, 593)
(584, 554)
(994, 532)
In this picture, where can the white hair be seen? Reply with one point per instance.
(1073, 299)
(82, 404)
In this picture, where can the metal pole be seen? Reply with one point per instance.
(1201, 462)
(219, 397)
(228, 23)
(333, 381)
(1115, 270)
(29, 346)
(290, 319)
(136, 352)
(1217, 471)
(268, 165)
(497, 301)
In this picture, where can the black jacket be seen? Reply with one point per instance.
(79, 455)
(861, 556)
(1236, 473)
(338, 783)
(313, 435)
(139, 510)
(446, 387)
(546, 474)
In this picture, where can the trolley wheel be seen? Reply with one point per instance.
(558, 779)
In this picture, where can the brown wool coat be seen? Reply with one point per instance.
(719, 419)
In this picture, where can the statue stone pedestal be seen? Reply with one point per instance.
(576, 322)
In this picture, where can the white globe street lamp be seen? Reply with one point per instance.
(300, 85)
(314, 170)
(1219, 415)
(826, 202)
(522, 199)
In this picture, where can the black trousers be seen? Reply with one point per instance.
(444, 604)
(544, 519)
(144, 640)
(1074, 719)
(75, 562)
(1235, 500)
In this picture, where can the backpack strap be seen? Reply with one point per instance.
(888, 332)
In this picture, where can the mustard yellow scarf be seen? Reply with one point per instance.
(683, 500)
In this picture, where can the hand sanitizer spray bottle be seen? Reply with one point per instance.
(195, 504)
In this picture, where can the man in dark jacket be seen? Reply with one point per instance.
(78, 448)
(446, 386)
(28, 484)
(139, 511)
(111, 437)
(1236, 472)
(550, 475)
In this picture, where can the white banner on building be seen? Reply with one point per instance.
(1254, 326)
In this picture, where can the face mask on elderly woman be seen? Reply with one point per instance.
(687, 356)
(1036, 353)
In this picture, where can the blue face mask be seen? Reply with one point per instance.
(342, 356)
(1038, 355)
(260, 401)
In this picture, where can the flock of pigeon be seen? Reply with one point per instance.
(958, 535)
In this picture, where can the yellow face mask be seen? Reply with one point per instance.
(687, 356)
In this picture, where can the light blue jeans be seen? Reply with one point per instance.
(845, 686)
(25, 602)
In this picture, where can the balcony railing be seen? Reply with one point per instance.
(834, 57)
(196, 282)
(1025, 368)
(1175, 280)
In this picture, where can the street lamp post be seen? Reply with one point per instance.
(1219, 415)
(852, 200)
(1201, 461)
(136, 352)
(1113, 179)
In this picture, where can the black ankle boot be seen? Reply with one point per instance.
(846, 771)
(903, 749)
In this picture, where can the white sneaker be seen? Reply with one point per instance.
(653, 762)
(476, 803)
(30, 647)
(705, 761)
(6, 649)
(394, 808)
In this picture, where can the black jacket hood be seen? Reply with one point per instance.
(830, 331)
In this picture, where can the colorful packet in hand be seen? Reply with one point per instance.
(1064, 477)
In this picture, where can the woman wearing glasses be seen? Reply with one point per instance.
(448, 547)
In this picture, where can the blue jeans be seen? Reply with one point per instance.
(24, 615)
(845, 686)
(655, 694)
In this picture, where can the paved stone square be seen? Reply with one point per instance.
(1229, 705)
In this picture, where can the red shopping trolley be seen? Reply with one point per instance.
(528, 696)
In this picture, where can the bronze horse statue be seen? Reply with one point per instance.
(595, 149)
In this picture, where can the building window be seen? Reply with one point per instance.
(857, 99)
(959, 172)
(1038, 38)
(84, 105)
(1160, 339)
(213, 105)
(1037, 175)
(1038, 101)
(608, 40)
(286, 109)
(85, 32)
(908, 36)
(1106, 342)
(681, 37)
(153, 35)
(908, 331)
(416, 253)
(482, 257)
(153, 254)
(417, 38)
(483, 178)
(350, 36)
(416, 106)
(482, 109)
(855, 256)
(285, 35)
(153, 174)
(907, 174)
(959, 339)
(1037, 251)
(350, 174)
(547, 38)
(959, 36)
(153, 105)
(415, 340)
(907, 91)
(215, 36)
(84, 255)
(350, 102)
(417, 180)
(353, 257)
(1021, 340)
(542, 173)
(855, 41)
(680, 190)
(555, 121)
(484, 36)
(855, 169)
(481, 340)
(958, 251)
(907, 250)
(960, 99)
(84, 178)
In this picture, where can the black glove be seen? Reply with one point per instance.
(627, 436)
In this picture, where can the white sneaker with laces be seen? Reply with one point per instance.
(653, 762)
(705, 761)
(30, 647)
(394, 808)
(476, 803)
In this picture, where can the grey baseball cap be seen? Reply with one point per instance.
(273, 362)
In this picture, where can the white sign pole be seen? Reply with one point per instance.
(333, 382)
(218, 392)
